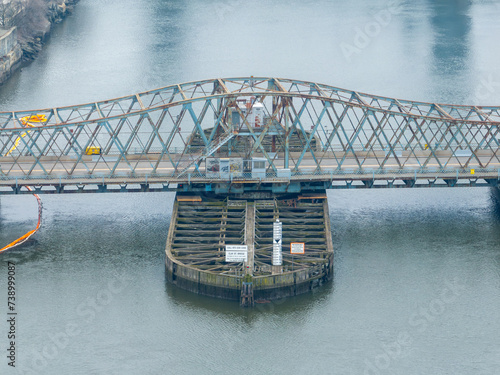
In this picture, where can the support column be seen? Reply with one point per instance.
(287, 138)
(247, 299)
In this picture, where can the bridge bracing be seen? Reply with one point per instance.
(248, 133)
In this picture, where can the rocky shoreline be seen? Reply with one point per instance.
(22, 43)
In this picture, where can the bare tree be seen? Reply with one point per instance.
(34, 18)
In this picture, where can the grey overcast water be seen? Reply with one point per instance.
(417, 271)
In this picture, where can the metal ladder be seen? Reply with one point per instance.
(212, 147)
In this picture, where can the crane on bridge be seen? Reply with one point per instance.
(28, 121)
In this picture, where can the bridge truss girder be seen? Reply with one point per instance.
(316, 131)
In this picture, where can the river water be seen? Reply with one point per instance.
(417, 271)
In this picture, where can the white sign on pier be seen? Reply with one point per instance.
(236, 253)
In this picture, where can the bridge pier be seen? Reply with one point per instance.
(496, 193)
(202, 227)
(451, 182)
(493, 182)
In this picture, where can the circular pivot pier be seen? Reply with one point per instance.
(203, 226)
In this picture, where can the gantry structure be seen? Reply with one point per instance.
(248, 133)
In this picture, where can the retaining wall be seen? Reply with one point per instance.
(10, 53)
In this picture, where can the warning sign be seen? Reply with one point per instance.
(297, 248)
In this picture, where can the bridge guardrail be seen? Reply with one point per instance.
(269, 176)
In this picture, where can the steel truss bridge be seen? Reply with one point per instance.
(238, 134)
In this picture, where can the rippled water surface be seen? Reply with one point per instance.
(417, 271)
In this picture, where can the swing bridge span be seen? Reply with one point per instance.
(238, 135)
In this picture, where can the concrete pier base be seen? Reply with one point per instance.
(202, 226)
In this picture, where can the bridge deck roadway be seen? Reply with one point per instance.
(49, 168)
(137, 172)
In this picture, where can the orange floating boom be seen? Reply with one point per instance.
(28, 235)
